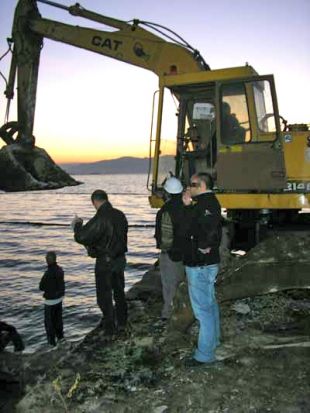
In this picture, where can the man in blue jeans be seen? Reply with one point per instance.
(201, 240)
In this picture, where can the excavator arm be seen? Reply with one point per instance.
(129, 43)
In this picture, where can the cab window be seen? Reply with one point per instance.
(264, 107)
(235, 125)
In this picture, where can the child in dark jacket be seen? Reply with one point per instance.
(53, 286)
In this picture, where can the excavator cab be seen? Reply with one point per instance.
(229, 128)
(228, 124)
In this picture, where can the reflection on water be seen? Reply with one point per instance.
(23, 247)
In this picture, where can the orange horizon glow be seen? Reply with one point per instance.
(80, 158)
(89, 155)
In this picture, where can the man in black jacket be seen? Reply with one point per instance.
(201, 241)
(105, 238)
(53, 285)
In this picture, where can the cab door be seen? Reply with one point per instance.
(250, 154)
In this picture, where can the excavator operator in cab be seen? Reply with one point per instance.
(231, 130)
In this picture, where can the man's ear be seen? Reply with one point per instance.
(204, 185)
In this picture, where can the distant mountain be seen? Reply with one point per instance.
(124, 165)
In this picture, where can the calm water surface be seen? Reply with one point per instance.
(24, 242)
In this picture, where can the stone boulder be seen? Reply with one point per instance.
(278, 263)
(149, 287)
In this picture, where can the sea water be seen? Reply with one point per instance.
(32, 223)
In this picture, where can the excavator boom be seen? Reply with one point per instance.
(131, 45)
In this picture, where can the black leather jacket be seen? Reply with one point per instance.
(52, 282)
(202, 229)
(104, 235)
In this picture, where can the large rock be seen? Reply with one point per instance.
(278, 263)
(182, 316)
(149, 287)
(25, 169)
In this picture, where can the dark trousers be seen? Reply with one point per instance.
(110, 284)
(53, 322)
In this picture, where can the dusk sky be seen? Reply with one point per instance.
(91, 107)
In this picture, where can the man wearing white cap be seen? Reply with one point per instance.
(168, 221)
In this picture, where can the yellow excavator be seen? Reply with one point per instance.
(227, 122)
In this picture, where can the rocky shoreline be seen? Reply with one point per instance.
(264, 355)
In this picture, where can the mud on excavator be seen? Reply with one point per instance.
(228, 122)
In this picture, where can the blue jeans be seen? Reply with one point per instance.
(205, 308)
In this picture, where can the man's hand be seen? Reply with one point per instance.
(186, 198)
(76, 220)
